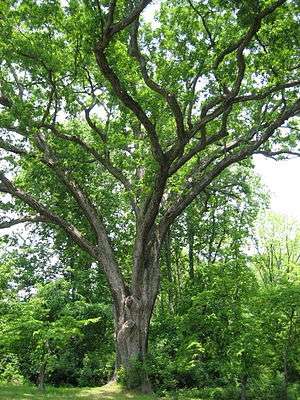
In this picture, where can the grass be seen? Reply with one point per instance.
(111, 391)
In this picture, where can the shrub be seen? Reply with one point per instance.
(96, 370)
(10, 371)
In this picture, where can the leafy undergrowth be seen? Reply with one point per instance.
(110, 391)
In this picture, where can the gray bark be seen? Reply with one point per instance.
(132, 320)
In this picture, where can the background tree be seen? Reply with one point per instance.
(132, 124)
(52, 337)
(278, 249)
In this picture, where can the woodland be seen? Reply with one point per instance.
(136, 242)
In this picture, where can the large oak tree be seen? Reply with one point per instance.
(134, 121)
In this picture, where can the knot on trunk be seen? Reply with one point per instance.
(128, 325)
(125, 329)
(132, 304)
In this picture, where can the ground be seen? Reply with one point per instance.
(113, 391)
(110, 391)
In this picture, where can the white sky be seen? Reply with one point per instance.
(282, 178)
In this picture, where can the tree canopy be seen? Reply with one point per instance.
(93, 95)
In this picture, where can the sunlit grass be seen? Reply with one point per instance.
(111, 391)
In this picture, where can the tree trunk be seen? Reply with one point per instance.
(132, 341)
(42, 375)
(191, 237)
(285, 376)
(244, 381)
(168, 259)
(132, 321)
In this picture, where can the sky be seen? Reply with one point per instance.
(282, 178)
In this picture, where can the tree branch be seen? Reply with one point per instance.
(205, 25)
(102, 252)
(12, 148)
(203, 142)
(8, 187)
(50, 159)
(224, 109)
(167, 95)
(93, 126)
(119, 89)
(184, 200)
(273, 154)
(130, 103)
(29, 218)
(5, 101)
(265, 93)
(135, 13)
(242, 43)
(104, 161)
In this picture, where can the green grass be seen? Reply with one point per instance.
(111, 391)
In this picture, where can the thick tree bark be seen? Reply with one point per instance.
(132, 329)
(190, 233)
(132, 321)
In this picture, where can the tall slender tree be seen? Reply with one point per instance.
(132, 122)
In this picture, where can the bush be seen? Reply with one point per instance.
(271, 387)
(134, 377)
(96, 370)
(213, 393)
(294, 392)
(10, 371)
(131, 378)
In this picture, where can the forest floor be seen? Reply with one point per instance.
(110, 391)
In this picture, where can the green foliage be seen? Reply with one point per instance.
(55, 332)
(97, 368)
(278, 249)
(230, 332)
(229, 329)
(10, 370)
(134, 376)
